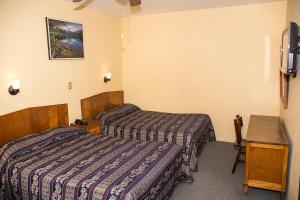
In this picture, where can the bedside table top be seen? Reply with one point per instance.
(90, 123)
(93, 126)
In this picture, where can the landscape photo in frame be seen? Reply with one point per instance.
(65, 39)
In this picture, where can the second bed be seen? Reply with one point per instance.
(191, 131)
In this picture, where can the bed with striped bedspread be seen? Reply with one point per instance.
(191, 131)
(67, 163)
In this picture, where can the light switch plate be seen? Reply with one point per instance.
(70, 85)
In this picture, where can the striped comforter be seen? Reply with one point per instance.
(67, 163)
(188, 130)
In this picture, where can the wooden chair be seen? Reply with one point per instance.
(240, 143)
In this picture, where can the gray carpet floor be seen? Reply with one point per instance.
(214, 180)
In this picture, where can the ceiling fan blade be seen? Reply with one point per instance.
(83, 5)
(135, 2)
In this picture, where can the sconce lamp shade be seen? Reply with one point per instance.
(107, 77)
(15, 84)
(14, 87)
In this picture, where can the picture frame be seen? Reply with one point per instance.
(284, 79)
(65, 39)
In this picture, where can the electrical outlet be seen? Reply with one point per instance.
(70, 85)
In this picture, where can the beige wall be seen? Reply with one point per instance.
(24, 55)
(221, 61)
(291, 116)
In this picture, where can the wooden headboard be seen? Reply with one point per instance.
(32, 120)
(93, 105)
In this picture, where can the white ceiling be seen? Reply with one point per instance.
(119, 7)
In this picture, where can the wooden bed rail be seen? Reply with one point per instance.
(32, 120)
(93, 105)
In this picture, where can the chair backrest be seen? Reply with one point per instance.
(238, 124)
(240, 119)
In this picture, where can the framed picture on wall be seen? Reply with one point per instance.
(65, 39)
(284, 79)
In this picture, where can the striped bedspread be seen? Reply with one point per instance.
(66, 163)
(190, 131)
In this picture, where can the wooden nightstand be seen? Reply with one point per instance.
(93, 126)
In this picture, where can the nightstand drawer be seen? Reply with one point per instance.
(94, 130)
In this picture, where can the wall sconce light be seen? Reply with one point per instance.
(14, 88)
(107, 77)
